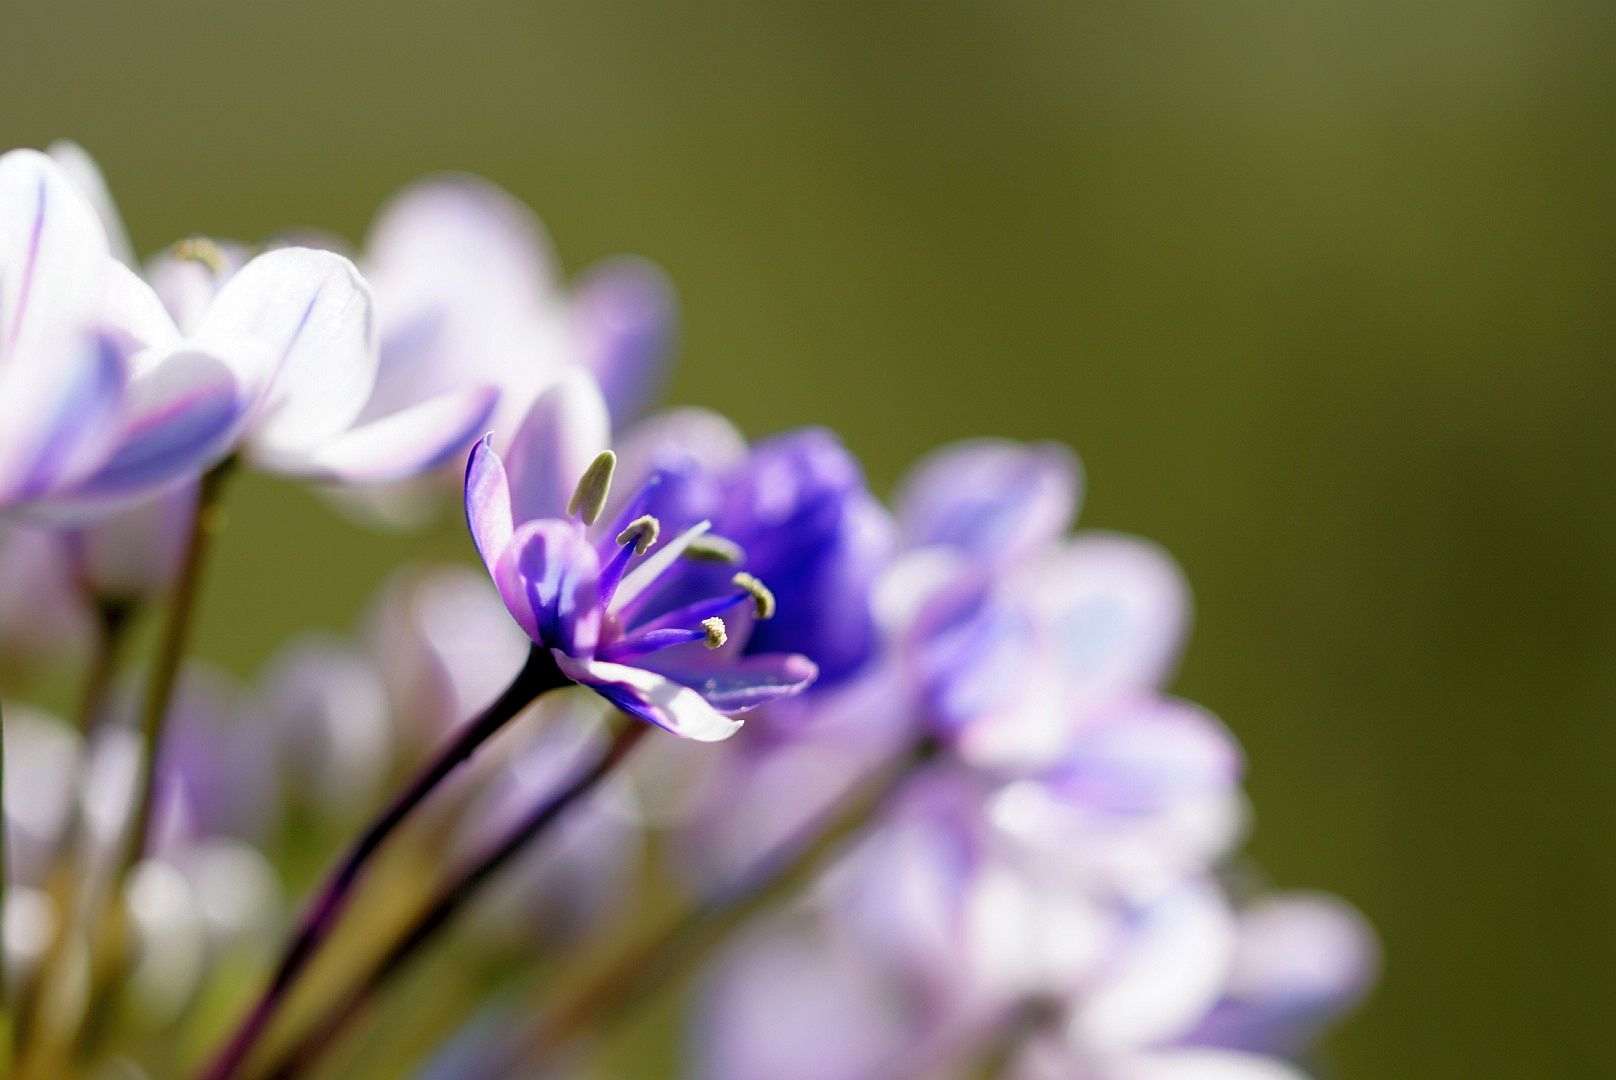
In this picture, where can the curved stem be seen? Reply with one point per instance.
(539, 675)
(686, 938)
(451, 899)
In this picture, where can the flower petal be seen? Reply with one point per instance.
(404, 444)
(651, 697)
(565, 430)
(548, 577)
(53, 257)
(1115, 610)
(739, 686)
(85, 175)
(1169, 969)
(61, 417)
(315, 314)
(134, 310)
(184, 413)
(991, 498)
(623, 319)
(488, 503)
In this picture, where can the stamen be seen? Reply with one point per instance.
(698, 612)
(642, 532)
(656, 564)
(762, 598)
(716, 549)
(716, 634)
(652, 641)
(589, 497)
(199, 249)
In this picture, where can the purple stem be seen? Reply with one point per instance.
(539, 675)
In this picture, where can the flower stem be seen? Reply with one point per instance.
(113, 618)
(176, 633)
(451, 899)
(685, 938)
(320, 918)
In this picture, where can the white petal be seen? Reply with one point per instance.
(85, 175)
(399, 446)
(314, 314)
(53, 257)
(564, 431)
(652, 697)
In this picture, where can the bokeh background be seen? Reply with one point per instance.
(1322, 292)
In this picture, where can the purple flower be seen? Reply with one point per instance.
(613, 607)
(797, 506)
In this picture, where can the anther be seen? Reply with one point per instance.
(762, 598)
(715, 549)
(199, 249)
(589, 497)
(642, 532)
(716, 634)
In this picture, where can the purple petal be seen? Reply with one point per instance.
(1115, 610)
(60, 419)
(184, 415)
(651, 697)
(623, 319)
(1302, 960)
(991, 498)
(488, 503)
(565, 430)
(547, 577)
(53, 257)
(314, 315)
(404, 444)
(1140, 756)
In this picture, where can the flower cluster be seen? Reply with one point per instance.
(900, 785)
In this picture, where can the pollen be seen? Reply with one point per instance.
(762, 598)
(199, 249)
(594, 487)
(716, 633)
(642, 532)
(715, 549)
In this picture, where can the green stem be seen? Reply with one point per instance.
(450, 901)
(171, 647)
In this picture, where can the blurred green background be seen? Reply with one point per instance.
(1322, 292)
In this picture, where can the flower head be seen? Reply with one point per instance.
(610, 601)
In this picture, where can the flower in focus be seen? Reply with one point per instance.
(612, 606)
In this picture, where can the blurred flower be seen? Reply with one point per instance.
(44, 621)
(1301, 961)
(90, 417)
(468, 289)
(634, 636)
